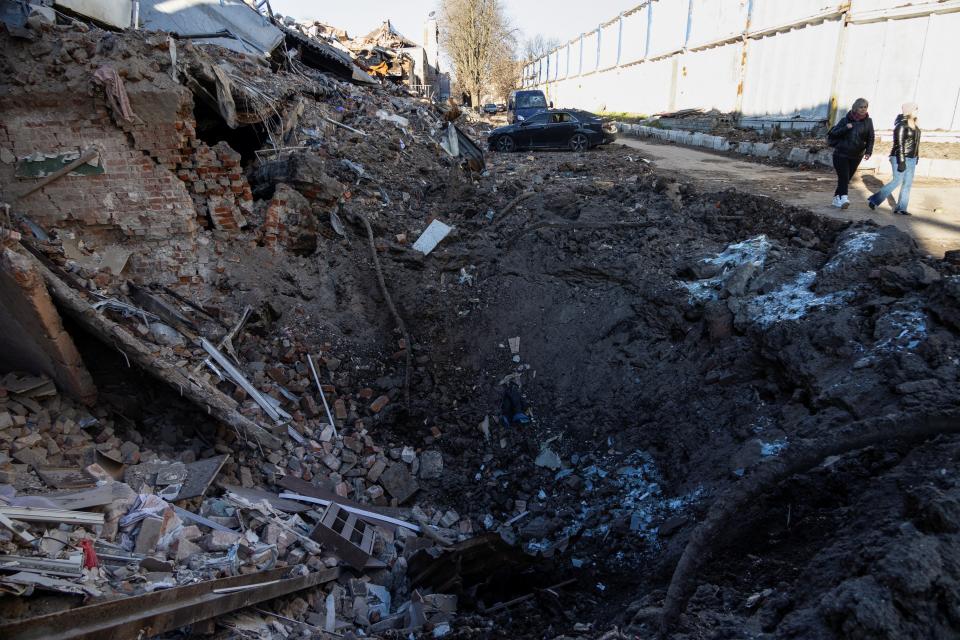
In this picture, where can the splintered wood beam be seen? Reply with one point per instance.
(194, 389)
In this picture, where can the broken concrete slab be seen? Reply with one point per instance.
(399, 482)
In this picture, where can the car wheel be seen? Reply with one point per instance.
(505, 144)
(579, 142)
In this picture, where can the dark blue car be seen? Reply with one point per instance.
(524, 103)
(553, 129)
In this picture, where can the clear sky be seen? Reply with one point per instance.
(561, 19)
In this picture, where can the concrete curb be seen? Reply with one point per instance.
(926, 167)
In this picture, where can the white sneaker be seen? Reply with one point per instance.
(844, 202)
(837, 201)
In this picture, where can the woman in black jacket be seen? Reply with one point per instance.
(903, 159)
(852, 141)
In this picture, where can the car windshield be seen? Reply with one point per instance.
(531, 100)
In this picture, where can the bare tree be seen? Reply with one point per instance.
(505, 73)
(538, 46)
(474, 34)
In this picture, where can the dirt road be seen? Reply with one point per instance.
(935, 222)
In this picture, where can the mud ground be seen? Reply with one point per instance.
(659, 372)
(935, 222)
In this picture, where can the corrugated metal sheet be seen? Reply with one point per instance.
(712, 20)
(783, 82)
(254, 32)
(773, 13)
(634, 36)
(115, 13)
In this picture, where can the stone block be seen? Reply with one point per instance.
(399, 483)
(149, 536)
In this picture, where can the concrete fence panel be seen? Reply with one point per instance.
(713, 21)
(791, 74)
(634, 46)
(795, 64)
(768, 14)
(669, 26)
(708, 78)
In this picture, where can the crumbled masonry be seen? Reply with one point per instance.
(232, 385)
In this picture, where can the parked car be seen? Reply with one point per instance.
(522, 104)
(501, 107)
(554, 128)
(490, 108)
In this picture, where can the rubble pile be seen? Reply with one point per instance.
(389, 390)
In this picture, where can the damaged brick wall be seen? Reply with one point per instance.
(160, 187)
(290, 222)
(32, 337)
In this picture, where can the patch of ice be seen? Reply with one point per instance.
(910, 326)
(860, 242)
(637, 497)
(768, 449)
(753, 250)
(791, 301)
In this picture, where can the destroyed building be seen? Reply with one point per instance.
(258, 317)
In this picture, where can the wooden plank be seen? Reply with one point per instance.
(199, 475)
(298, 485)
(95, 497)
(18, 529)
(370, 518)
(65, 477)
(36, 514)
(70, 568)
(278, 503)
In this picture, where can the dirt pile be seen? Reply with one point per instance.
(669, 348)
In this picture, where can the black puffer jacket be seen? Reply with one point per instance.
(906, 140)
(855, 142)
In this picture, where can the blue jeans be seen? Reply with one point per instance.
(902, 179)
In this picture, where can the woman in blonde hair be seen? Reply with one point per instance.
(903, 159)
(852, 141)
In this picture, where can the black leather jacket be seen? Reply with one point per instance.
(906, 140)
(855, 142)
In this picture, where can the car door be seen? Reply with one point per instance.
(532, 131)
(559, 130)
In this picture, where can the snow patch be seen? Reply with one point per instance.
(769, 449)
(753, 250)
(791, 301)
(908, 328)
(857, 243)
